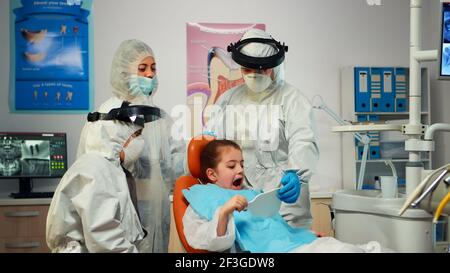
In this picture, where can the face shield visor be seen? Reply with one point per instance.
(136, 114)
(258, 63)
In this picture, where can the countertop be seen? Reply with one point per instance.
(5, 200)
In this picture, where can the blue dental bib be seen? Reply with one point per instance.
(255, 234)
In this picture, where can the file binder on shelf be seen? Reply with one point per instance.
(401, 87)
(374, 147)
(362, 89)
(359, 146)
(388, 90)
(375, 96)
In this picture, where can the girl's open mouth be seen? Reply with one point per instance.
(238, 182)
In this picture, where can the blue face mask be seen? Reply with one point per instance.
(142, 85)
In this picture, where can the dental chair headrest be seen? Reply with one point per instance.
(195, 149)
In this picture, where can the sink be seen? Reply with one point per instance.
(370, 201)
(363, 215)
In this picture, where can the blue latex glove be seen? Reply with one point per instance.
(290, 191)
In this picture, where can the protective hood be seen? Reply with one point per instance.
(125, 65)
(256, 52)
(263, 50)
(107, 138)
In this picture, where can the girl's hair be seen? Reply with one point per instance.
(211, 156)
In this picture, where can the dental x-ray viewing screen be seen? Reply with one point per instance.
(32, 155)
(445, 41)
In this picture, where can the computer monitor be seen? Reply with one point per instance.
(444, 53)
(26, 156)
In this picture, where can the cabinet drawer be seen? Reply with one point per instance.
(23, 221)
(23, 245)
(321, 216)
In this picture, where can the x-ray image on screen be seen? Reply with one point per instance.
(36, 149)
(10, 156)
(446, 27)
(29, 157)
(36, 157)
(445, 59)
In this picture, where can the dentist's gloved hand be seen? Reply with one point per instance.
(290, 191)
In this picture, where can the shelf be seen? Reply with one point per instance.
(387, 113)
(385, 128)
(367, 128)
(393, 160)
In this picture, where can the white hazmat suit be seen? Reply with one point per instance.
(291, 144)
(163, 159)
(92, 209)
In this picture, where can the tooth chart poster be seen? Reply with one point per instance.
(210, 69)
(51, 64)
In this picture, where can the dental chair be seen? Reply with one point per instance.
(180, 204)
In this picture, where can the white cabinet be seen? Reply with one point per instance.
(388, 144)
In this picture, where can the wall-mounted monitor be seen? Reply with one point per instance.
(444, 53)
(26, 156)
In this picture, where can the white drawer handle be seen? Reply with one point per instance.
(23, 245)
(22, 214)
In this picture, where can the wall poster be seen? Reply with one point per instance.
(51, 56)
(210, 69)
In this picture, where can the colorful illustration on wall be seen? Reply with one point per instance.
(51, 56)
(210, 69)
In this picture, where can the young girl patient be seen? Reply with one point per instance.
(216, 219)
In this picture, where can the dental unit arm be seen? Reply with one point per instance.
(363, 138)
(432, 194)
(431, 189)
(436, 189)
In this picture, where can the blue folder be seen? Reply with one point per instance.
(401, 87)
(388, 90)
(362, 89)
(374, 147)
(375, 82)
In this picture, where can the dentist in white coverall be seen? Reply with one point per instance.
(94, 206)
(134, 79)
(288, 156)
